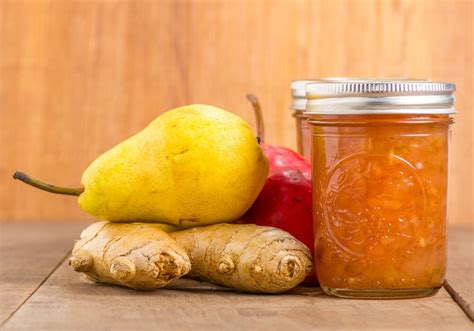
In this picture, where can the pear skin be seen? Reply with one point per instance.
(194, 165)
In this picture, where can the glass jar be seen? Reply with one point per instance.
(380, 183)
(298, 105)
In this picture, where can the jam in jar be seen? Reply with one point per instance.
(380, 182)
(298, 105)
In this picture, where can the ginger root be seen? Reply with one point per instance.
(246, 257)
(140, 256)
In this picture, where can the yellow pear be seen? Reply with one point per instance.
(192, 166)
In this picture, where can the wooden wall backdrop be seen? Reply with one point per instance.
(77, 77)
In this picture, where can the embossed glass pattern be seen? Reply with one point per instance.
(380, 186)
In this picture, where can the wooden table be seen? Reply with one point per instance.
(38, 291)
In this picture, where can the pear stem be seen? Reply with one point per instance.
(258, 117)
(47, 187)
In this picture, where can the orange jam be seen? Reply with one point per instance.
(380, 187)
(303, 135)
(298, 104)
(380, 181)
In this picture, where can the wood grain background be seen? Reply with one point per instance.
(77, 77)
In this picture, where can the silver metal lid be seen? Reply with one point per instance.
(298, 92)
(379, 96)
(298, 87)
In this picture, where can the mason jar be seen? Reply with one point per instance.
(380, 183)
(298, 105)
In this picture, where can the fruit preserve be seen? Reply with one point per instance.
(380, 181)
(303, 131)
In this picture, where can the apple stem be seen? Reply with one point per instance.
(258, 117)
(47, 187)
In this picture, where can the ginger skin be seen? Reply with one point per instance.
(139, 256)
(246, 257)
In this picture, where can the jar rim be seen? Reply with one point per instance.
(380, 96)
(298, 87)
(298, 90)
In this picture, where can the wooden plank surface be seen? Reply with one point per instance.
(460, 275)
(28, 254)
(77, 77)
(66, 302)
